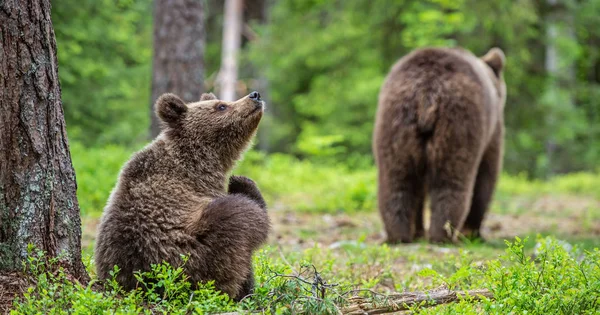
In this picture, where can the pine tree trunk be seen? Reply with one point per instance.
(178, 64)
(38, 204)
(232, 36)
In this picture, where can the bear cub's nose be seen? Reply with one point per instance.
(255, 96)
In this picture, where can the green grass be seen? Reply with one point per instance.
(320, 280)
(307, 186)
(96, 170)
(325, 220)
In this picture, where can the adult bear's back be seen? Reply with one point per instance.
(439, 116)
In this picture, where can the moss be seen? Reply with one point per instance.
(8, 259)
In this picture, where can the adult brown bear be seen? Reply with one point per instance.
(439, 133)
(172, 198)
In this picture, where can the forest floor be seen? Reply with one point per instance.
(346, 250)
(573, 218)
(350, 245)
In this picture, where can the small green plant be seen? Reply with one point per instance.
(556, 281)
(164, 290)
(286, 289)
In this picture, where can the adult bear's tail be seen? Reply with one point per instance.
(427, 110)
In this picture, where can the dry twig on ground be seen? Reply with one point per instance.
(403, 301)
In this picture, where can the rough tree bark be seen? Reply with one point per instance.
(178, 63)
(38, 204)
(232, 36)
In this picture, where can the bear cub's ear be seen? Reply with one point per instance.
(170, 108)
(495, 59)
(207, 97)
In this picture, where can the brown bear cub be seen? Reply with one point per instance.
(171, 198)
(439, 133)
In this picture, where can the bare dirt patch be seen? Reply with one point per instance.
(564, 215)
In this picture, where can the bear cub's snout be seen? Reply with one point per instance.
(255, 96)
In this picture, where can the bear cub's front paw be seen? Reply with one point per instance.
(241, 185)
(245, 186)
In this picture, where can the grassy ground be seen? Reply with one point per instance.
(352, 242)
(326, 217)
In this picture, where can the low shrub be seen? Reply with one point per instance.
(558, 280)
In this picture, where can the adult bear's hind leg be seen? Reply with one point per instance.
(485, 184)
(401, 198)
(453, 155)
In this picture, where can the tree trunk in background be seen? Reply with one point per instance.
(258, 11)
(232, 34)
(559, 26)
(178, 63)
(38, 202)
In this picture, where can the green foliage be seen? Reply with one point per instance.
(282, 290)
(556, 281)
(301, 184)
(319, 281)
(323, 89)
(574, 183)
(167, 291)
(326, 60)
(307, 186)
(104, 52)
(311, 186)
(97, 170)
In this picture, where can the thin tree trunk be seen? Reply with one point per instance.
(232, 33)
(259, 11)
(559, 27)
(178, 64)
(38, 204)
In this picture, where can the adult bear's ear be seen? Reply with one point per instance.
(170, 108)
(495, 59)
(207, 97)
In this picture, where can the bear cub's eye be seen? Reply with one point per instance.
(221, 107)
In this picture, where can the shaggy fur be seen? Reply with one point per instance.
(439, 133)
(171, 198)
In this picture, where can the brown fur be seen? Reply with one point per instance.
(171, 199)
(439, 133)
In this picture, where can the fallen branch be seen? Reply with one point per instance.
(383, 304)
(402, 302)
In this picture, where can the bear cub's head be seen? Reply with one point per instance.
(213, 124)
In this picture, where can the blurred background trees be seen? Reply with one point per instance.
(178, 59)
(319, 65)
